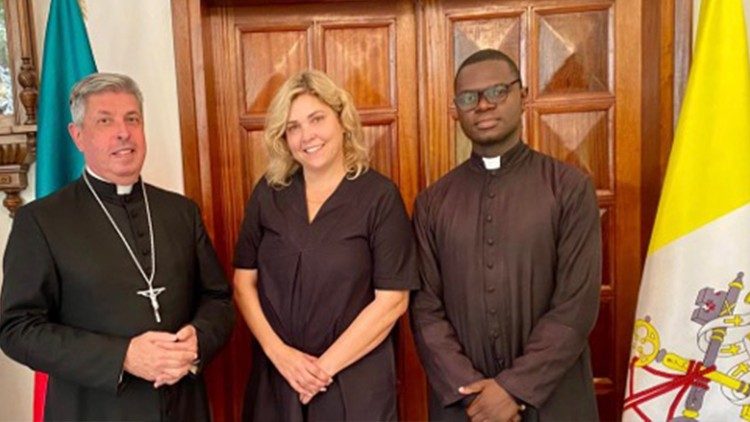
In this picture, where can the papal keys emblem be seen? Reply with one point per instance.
(722, 334)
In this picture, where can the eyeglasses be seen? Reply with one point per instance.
(468, 100)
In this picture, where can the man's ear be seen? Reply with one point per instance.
(75, 135)
(453, 112)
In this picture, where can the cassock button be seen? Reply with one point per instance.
(145, 252)
(494, 334)
(488, 218)
(491, 289)
(493, 311)
(490, 265)
(491, 194)
(490, 241)
(141, 233)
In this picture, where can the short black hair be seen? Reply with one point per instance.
(486, 55)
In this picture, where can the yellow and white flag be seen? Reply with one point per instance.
(691, 343)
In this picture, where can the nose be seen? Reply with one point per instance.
(306, 132)
(484, 104)
(122, 130)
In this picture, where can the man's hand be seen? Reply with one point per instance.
(161, 357)
(186, 341)
(492, 403)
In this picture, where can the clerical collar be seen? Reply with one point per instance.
(492, 163)
(508, 160)
(121, 189)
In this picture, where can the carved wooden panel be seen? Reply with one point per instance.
(502, 32)
(581, 138)
(573, 50)
(358, 58)
(381, 138)
(254, 157)
(267, 58)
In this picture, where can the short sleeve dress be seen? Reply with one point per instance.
(314, 278)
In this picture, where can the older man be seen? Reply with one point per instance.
(111, 285)
(509, 246)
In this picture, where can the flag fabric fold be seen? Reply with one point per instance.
(690, 358)
(67, 58)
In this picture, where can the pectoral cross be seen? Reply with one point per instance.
(151, 294)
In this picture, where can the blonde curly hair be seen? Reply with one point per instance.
(281, 164)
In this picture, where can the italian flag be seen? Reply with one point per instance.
(67, 58)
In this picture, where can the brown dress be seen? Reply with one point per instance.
(313, 281)
(510, 263)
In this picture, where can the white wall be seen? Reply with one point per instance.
(132, 37)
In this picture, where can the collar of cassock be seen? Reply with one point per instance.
(504, 162)
(111, 191)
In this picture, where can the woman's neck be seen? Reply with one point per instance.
(323, 179)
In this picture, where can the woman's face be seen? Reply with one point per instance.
(315, 135)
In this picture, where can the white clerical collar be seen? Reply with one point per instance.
(121, 189)
(492, 163)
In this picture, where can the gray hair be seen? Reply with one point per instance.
(97, 83)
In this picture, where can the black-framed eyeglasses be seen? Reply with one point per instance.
(468, 100)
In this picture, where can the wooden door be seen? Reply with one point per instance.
(252, 50)
(591, 70)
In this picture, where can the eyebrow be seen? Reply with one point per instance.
(484, 88)
(110, 113)
(320, 110)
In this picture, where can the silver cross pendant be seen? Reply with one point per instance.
(151, 294)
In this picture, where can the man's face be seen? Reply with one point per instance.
(490, 123)
(111, 137)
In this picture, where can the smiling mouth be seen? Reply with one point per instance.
(124, 152)
(312, 149)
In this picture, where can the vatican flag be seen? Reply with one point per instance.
(690, 358)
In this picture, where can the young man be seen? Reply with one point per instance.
(510, 253)
(112, 286)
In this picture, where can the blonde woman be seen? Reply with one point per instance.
(324, 264)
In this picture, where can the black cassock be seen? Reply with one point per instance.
(313, 281)
(69, 303)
